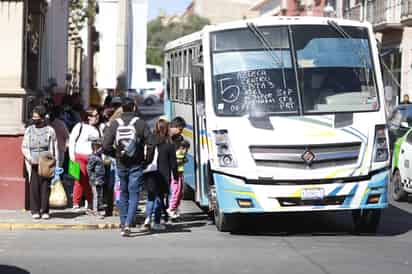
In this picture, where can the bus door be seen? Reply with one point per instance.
(200, 143)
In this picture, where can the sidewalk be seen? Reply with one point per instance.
(68, 219)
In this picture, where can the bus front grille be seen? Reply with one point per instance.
(304, 157)
(327, 201)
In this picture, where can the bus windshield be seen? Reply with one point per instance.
(335, 72)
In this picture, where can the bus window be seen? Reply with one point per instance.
(249, 79)
(153, 75)
(336, 73)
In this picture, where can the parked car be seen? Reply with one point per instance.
(401, 180)
(150, 94)
(399, 122)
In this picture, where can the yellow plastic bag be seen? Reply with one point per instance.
(58, 196)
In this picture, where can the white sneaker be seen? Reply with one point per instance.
(35, 216)
(76, 208)
(45, 216)
(158, 227)
(147, 221)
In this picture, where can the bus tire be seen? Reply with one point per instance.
(223, 221)
(149, 101)
(366, 220)
(396, 190)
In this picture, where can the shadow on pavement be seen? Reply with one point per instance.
(66, 215)
(394, 221)
(7, 269)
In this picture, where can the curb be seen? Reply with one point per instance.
(14, 226)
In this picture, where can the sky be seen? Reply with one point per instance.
(169, 6)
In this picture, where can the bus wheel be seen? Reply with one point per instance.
(366, 220)
(397, 192)
(149, 101)
(222, 220)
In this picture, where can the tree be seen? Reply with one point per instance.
(159, 35)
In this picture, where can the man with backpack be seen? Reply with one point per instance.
(125, 139)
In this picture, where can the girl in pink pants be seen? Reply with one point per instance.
(176, 186)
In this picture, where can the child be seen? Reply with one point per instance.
(156, 189)
(177, 185)
(96, 172)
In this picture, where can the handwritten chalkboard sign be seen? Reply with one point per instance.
(259, 90)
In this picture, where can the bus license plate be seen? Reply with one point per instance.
(312, 194)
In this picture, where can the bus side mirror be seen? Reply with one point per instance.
(197, 72)
(404, 125)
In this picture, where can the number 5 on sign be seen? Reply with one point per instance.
(229, 93)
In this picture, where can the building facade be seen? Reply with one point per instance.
(216, 11)
(296, 7)
(34, 62)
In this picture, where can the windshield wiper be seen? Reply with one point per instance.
(361, 54)
(267, 46)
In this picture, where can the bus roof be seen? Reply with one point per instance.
(262, 21)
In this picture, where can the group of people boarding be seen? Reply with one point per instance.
(110, 145)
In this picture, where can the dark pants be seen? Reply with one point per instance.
(108, 190)
(39, 192)
(130, 186)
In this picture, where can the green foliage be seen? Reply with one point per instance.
(159, 35)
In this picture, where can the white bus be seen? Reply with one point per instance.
(285, 114)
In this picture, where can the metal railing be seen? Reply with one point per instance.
(353, 13)
(406, 9)
(379, 12)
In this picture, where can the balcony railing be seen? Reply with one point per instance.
(387, 13)
(353, 13)
(380, 13)
(406, 15)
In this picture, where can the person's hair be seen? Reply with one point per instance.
(162, 129)
(40, 110)
(90, 110)
(55, 113)
(128, 105)
(184, 144)
(178, 122)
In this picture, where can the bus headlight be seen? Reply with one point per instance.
(224, 150)
(381, 149)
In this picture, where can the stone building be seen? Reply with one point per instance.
(33, 59)
(218, 11)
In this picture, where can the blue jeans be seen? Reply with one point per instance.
(154, 205)
(130, 185)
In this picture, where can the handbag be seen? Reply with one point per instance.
(47, 165)
(151, 167)
(74, 170)
(47, 162)
(74, 167)
(57, 196)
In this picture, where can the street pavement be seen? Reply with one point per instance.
(304, 243)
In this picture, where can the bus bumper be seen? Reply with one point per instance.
(235, 195)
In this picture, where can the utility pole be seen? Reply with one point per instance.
(90, 50)
(121, 47)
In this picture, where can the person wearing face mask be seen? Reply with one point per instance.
(80, 148)
(39, 139)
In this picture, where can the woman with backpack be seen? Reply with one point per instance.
(157, 182)
(39, 141)
(80, 148)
